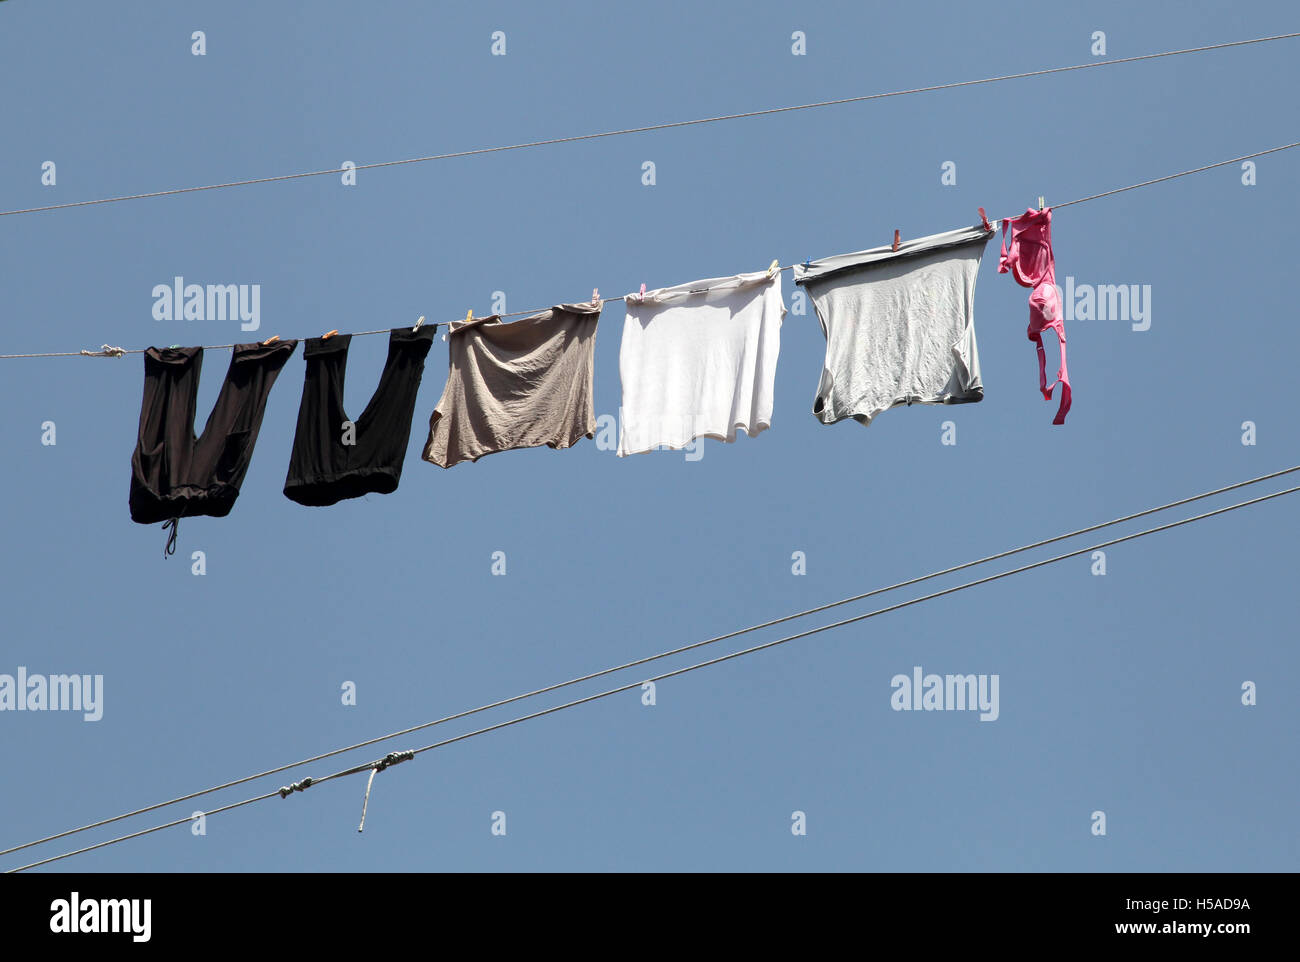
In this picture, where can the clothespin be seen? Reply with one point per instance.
(172, 347)
(641, 296)
(1040, 201)
(469, 316)
(271, 340)
(807, 264)
(896, 240)
(595, 297)
(772, 269)
(417, 324)
(984, 218)
(327, 335)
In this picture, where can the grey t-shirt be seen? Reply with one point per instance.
(899, 325)
(516, 385)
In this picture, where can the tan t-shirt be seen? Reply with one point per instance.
(516, 385)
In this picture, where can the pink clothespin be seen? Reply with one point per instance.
(641, 296)
(896, 240)
(984, 218)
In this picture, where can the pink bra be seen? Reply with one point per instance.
(1032, 263)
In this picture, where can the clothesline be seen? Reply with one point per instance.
(651, 127)
(110, 351)
(395, 757)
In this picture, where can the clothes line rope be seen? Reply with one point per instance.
(410, 753)
(108, 351)
(652, 127)
(652, 658)
(1181, 173)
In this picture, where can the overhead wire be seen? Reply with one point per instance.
(109, 351)
(704, 664)
(653, 127)
(690, 647)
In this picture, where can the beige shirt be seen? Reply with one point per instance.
(516, 385)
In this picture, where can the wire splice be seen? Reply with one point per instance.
(392, 758)
(292, 787)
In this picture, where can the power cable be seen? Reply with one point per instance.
(651, 127)
(701, 644)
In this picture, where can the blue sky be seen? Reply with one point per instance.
(1119, 693)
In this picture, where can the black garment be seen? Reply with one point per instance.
(173, 473)
(324, 470)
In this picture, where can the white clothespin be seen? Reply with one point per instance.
(417, 324)
(595, 297)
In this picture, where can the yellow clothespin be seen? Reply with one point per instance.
(1040, 201)
(772, 269)
(469, 316)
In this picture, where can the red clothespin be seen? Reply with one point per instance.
(896, 240)
(641, 296)
(984, 218)
(595, 297)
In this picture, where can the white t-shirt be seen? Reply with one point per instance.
(899, 325)
(699, 361)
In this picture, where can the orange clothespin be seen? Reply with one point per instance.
(271, 340)
(896, 240)
(984, 218)
(327, 335)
